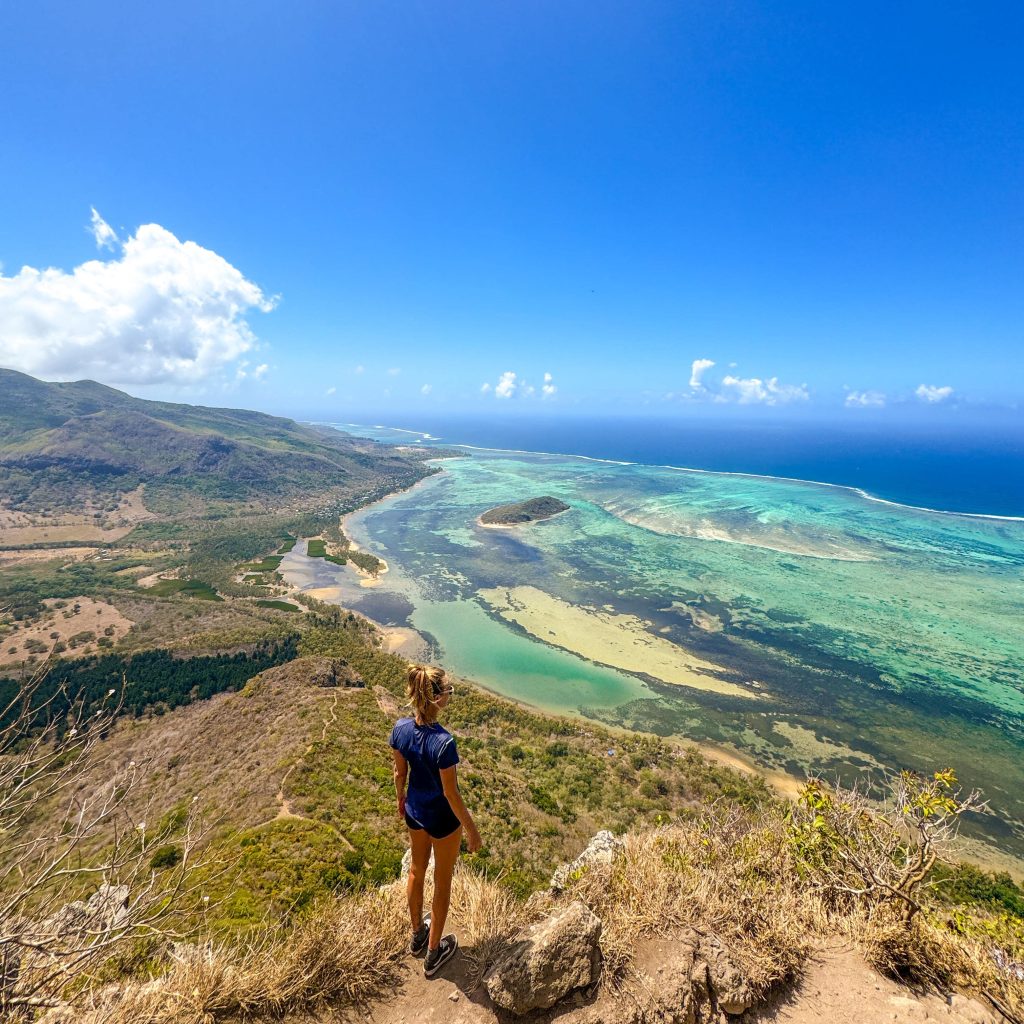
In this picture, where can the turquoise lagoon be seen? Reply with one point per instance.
(870, 635)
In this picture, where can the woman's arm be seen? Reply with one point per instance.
(401, 774)
(450, 784)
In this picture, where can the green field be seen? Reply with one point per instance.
(281, 606)
(286, 546)
(317, 548)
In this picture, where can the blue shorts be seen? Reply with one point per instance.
(440, 824)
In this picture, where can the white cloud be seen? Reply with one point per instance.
(330, 390)
(105, 235)
(753, 390)
(164, 311)
(426, 389)
(260, 371)
(932, 393)
(864, 399)
(359, 369)
(697, 371)
(394, 371)
(511, 385)
(506, 386)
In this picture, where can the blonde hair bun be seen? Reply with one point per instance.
(424, 687)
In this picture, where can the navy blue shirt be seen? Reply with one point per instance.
(428, 749)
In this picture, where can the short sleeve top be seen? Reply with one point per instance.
(427, 749)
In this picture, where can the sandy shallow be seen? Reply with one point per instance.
(620, 641)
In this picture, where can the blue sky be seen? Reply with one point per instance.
(404, 202)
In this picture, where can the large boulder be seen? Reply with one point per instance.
(556, 956)
(602, 849)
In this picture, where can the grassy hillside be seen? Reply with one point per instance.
(99, 491)
(82, 440)
(298, 775)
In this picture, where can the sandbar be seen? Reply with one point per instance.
(607, 638)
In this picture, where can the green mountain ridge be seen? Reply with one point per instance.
(61, 440)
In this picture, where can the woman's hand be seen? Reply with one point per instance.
(473, 840)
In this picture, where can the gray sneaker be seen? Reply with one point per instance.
(418, 943)
(437, 958)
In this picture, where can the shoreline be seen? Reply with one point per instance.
(851, 488)
(393, 494)
(401, 639)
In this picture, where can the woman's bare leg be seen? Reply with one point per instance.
(419, 842)
(446, 853)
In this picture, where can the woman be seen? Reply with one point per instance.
(432, 808)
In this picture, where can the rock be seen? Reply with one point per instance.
(190, 953)
(407, 863)
(602, 849)
(330, 672)
(965, 1010)
(107, 907)
(678, 993)
(555, 957)
(731, 990)
(69, 920)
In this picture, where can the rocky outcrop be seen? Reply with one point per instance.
(329, 672)
(602, 849)
(555, 957)
(104, 911)
(686, 979)
(727, 984)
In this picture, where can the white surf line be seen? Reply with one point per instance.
(378, 426)
(860, 492)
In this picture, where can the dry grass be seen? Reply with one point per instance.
(488, 918)
(344, 952)
(718, 874)
(928, 953)
(735, 875)
(340, 954)
(59, 624)
(731, 874)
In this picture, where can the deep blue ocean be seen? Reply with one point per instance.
(963, 468)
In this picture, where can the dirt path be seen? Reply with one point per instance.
(284, 805)
(837, 988)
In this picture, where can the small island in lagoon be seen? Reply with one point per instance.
(518, 513)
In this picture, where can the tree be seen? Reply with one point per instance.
(854, 848)
(76, 878)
